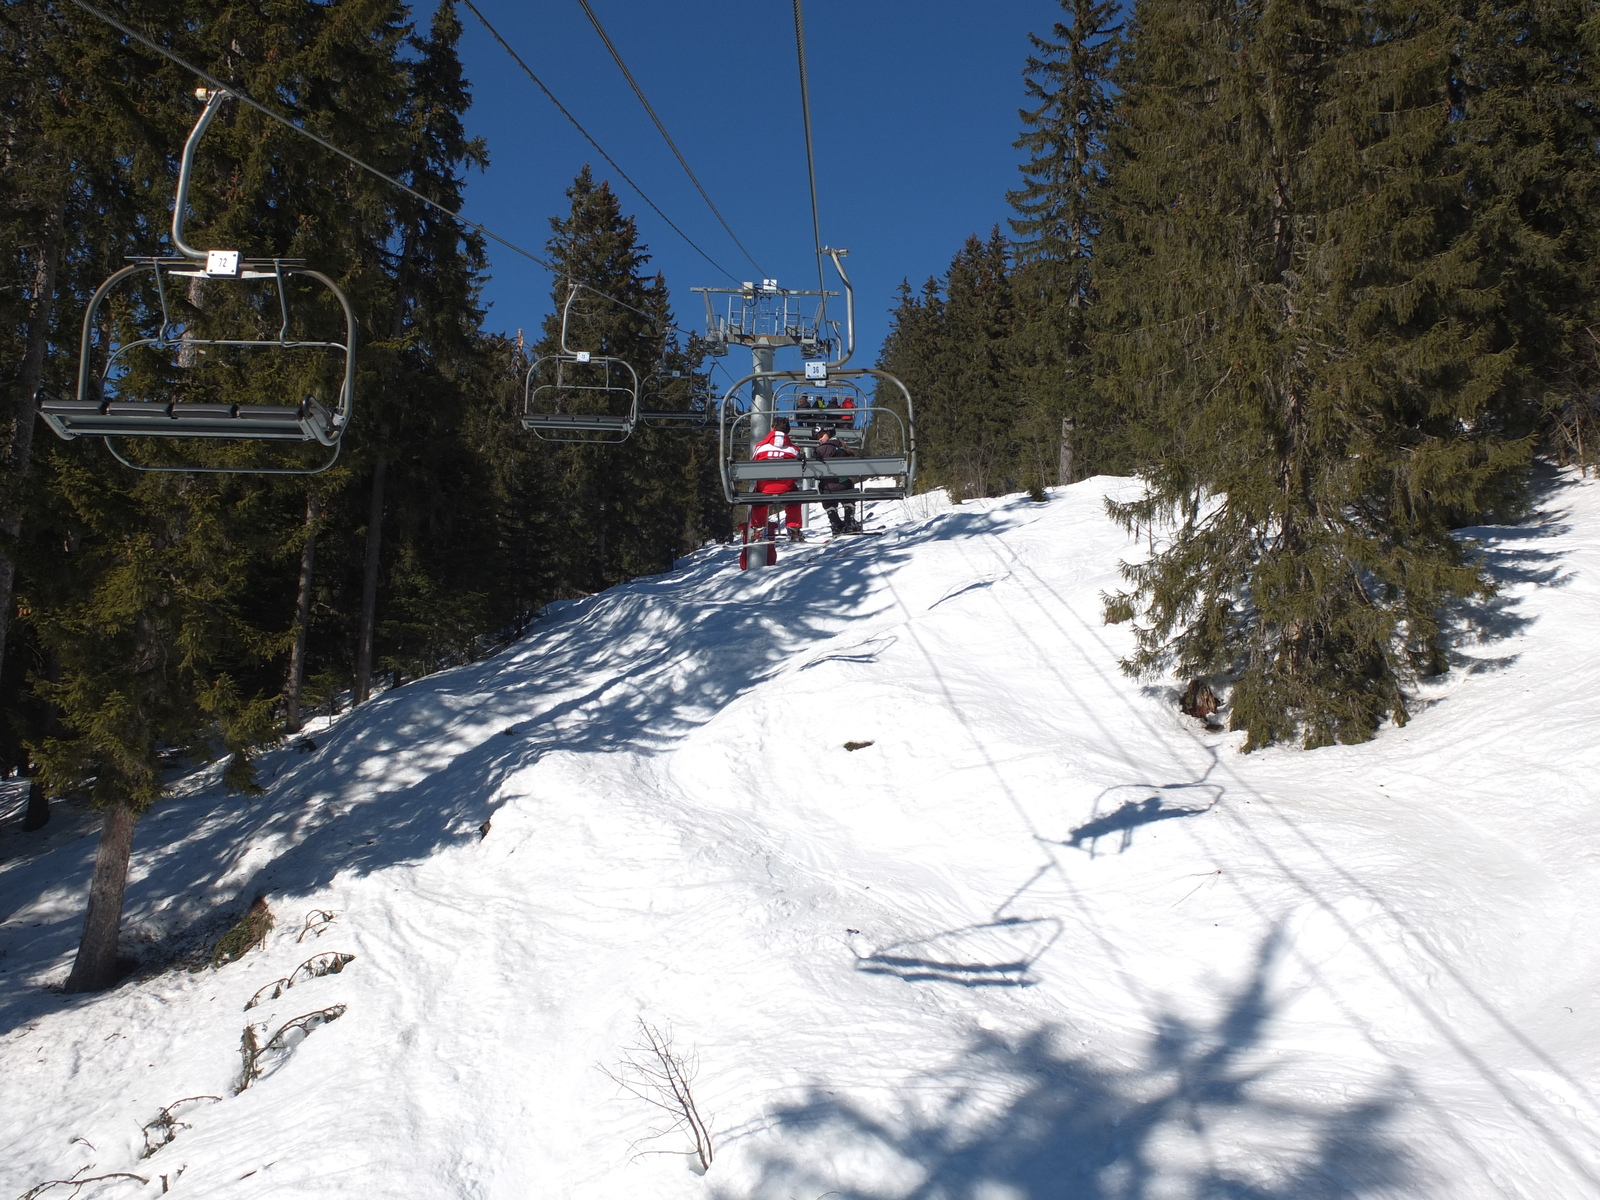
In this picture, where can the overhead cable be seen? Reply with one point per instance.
(811, 159)
(527, 70)
(234, 91)
(240, 96)
(662, 129)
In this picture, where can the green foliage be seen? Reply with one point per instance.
(138, 597)
(1305, 320)
(248, 932)
(1065, 135)
(615, 511)
(952, 348)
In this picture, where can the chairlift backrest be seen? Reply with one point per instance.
(319, 407)
(580, 398)
(577, 395)
(889, 473)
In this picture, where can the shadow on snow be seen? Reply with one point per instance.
(636, 668)
(1033, 1118)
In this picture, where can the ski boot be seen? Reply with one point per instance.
(796, 534)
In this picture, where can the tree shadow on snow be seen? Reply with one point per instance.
(1512, 558)
(1198, 1113)
(422, 767)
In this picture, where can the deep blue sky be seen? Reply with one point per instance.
(914, 108)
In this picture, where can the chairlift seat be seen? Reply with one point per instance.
(678, 416)
(305, 422)
(811, 496)
(848, 436)
(600, 422)
(758, 470)
(569, 377)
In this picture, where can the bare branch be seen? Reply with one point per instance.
(656, 1072)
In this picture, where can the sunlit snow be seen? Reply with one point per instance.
(1043, 937)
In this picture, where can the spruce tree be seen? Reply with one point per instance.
(623, 508)
(1298, 314)
(1068, 79)
(164, 600)
(1528, 131)
(907, 354)
(951, 347)
(141, 604)
(973, 442)
(438, 580)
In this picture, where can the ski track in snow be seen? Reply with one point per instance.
(1044, 937)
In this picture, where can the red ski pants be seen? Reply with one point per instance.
(791, 512)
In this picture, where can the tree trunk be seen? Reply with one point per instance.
(369, 582)
(38, 814)
(302, 620)
(96, 965)
(1067, 468)
(19, 453)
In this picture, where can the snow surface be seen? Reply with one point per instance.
(1043, 937)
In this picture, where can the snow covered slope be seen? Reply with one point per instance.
(1042, 937)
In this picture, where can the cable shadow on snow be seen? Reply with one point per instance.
(1198, 1113)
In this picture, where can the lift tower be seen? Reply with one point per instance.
(765, 317)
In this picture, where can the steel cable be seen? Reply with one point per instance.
(662, 129)
(811, 159)
(517, 58)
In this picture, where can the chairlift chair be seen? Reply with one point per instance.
(579, 396)
(832, 413)
(890, 476)
(687, 391)
(102, 408)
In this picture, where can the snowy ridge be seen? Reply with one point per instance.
(1043, 937)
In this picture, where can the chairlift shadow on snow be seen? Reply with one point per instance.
(998, 953)
(1133, 813)
(1039, 1117)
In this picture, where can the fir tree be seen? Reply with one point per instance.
(1524, 87)
(162, 601)
(624, 508)
(1300, 316)
(1068, 79)
(951, 346)
(973, 439)
(140, 604)
(907, 354)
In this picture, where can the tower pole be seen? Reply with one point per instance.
(762, 403)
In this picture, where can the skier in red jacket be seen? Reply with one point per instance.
(776, 447)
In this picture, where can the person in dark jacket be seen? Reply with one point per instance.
(828, 447)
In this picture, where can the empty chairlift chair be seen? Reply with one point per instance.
(579, 396)
(186, 355)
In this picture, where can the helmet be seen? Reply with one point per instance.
(820, 431)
